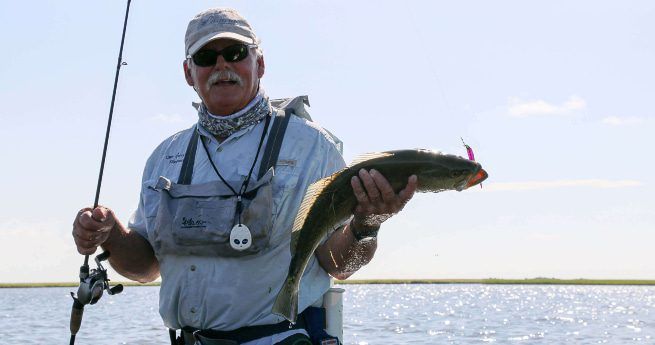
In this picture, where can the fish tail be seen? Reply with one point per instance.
(286, 303)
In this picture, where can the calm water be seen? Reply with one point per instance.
(374, 314)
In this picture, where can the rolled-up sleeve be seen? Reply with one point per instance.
(137, 221)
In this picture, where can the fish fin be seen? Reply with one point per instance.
(286, 302)
(369, 156)
(294, 239)
(311, 195)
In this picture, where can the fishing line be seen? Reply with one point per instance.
(93, 282)
(422, 39)
(431, 62)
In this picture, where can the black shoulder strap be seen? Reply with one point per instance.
(186, 173)
(173, 336)
(274, 142)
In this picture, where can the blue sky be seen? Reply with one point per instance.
(555, 97)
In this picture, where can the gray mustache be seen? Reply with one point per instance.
(223, 76)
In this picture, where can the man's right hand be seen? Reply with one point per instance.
(92, 228)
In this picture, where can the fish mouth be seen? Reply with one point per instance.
(480, 176)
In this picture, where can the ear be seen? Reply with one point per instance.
(261, 67)
(187, 73)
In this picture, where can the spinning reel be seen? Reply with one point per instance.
(92, 283)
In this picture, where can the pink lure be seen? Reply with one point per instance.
(469, 151)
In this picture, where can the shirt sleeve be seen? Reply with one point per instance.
(137, 221)
(334, 161)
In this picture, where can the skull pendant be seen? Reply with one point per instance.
(240, 237)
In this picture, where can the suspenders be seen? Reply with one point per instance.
(189, 158)
(274, 143)
(271, 152)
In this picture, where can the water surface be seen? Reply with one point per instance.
(374, 314)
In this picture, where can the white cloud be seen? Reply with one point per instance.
(525, 108)
(167, 118)
(540, 185)
(37, 251)
(622, 121)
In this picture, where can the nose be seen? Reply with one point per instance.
(221, 64)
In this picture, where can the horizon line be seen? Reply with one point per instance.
(490, 281)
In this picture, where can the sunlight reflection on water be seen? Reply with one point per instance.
(468, 314)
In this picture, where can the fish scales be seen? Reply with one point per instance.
(330, 202)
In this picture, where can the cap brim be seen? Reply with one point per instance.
(212, 37)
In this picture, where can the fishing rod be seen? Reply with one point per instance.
(94, 281)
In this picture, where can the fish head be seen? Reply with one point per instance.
(476, 178)
(444, 172)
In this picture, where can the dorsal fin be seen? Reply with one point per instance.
(311, 195)
(370, 156)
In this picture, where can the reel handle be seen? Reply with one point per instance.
(115, 290)
(103, 256)
(77, 311)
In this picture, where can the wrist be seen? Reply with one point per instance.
(361, 231)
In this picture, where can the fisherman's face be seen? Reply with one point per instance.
(225, 87)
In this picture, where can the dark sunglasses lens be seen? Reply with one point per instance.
(235, 53)
(205, 58)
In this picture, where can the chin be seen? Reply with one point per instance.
(223, 108)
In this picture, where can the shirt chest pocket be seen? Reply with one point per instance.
(287, 173)
(286, 177)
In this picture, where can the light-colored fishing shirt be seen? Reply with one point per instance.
(226, 293)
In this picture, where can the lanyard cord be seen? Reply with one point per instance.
(245, 183)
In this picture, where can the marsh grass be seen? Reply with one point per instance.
(66, 284)
(527, 281)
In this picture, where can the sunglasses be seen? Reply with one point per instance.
(233, 53)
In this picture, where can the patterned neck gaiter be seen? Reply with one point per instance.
(224, 126)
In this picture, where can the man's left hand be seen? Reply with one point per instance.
(376, 199)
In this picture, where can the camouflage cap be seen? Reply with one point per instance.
(216, 23)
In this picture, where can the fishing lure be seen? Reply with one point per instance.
(470, 153)
(469, 150)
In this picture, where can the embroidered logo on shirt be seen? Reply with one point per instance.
(192, 223)
(286, 162)
(176, 158)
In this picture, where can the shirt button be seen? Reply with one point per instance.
(193, 268)
(193, 310)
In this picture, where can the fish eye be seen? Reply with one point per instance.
(456, 173)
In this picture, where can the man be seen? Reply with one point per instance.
(209, 283)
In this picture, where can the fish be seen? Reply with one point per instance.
(330, 202)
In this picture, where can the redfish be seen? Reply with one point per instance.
(330, 202)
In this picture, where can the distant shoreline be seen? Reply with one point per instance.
(490, 281)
